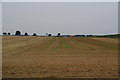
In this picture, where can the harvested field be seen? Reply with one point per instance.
(59, 57)
(0, 57)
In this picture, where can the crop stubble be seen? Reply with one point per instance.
(60, 57)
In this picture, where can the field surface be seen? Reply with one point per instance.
(59, 57)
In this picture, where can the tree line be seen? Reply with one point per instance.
(18, 33)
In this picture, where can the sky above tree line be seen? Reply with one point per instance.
(63, 17)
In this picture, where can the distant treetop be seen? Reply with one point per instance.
(4, 33)
(58, 34)
(26, 34)
(49, 35)
(18, 33)
(8, 33)
(34, 34)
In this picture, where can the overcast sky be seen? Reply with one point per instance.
(60, 0)
(63, 17)
(0, 18)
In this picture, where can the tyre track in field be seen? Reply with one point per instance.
(96, 44)
(57, 44)
(16, 40)
(26, 44)
(60, 43)
(68, 43)
(33, 59)
(11, 44)
(82, 45)
(39, 45)
(108, 40)
(23, 46)
(77, 44)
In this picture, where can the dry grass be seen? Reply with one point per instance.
(61, 57)
(0, 57)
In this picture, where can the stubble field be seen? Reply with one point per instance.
(59, 57)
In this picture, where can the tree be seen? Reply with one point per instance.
(8, 33)
(34, 34)
(18, 33)
(4, 33)
(49, 35)
(58, 34)
(26, 34)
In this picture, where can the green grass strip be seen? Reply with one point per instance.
(65, 44)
